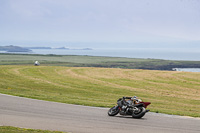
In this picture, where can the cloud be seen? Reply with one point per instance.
(105, 20)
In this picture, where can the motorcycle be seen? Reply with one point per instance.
(136, 108)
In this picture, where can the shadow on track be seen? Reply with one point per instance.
(129, 117)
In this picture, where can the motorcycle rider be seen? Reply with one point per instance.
(133, 99)
(129, 106)
(136, 100)
(130, 102)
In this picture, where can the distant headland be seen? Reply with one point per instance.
(12, 48)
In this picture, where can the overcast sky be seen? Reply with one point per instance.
(130, 21)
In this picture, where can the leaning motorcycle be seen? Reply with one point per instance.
(129, 107)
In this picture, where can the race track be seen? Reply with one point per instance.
(37, 114)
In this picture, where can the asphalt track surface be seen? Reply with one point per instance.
(38, 114)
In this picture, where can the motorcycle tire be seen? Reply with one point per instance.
(139, 114)
(112, 111)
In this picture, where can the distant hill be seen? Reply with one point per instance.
(12, 48)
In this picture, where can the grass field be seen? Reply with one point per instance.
(8, 129)
(170, 92)
(95, 61)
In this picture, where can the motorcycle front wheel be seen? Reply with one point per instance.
(113, 111)
(139, 113)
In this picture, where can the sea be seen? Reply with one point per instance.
(167, 54)
(188, 69)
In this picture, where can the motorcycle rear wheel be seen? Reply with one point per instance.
(113, 111)
(140, 113)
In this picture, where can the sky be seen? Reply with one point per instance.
(100, 21)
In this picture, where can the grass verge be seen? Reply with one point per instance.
(9, 129)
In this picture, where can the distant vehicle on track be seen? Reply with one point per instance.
(37, 63)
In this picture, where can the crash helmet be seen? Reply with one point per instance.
(134, 98)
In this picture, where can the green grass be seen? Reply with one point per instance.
(169, 92)
(9, 129)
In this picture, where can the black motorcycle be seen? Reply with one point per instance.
(129, 106)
